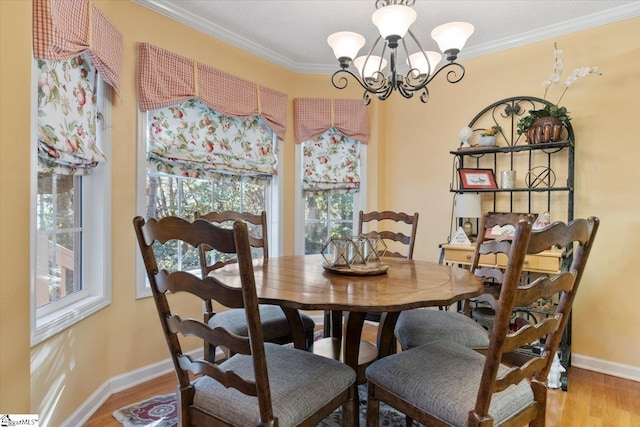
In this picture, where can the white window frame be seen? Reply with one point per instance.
(359, 198)
(96, 243)
(273, 203)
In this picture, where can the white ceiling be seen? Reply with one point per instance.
(293, 33)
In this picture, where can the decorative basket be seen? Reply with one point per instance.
(545, 129)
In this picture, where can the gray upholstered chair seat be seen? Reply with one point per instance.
(273, 320)
(300, 384)
(442, 378)
(422, 326)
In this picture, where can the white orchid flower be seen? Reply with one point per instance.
(558, 68)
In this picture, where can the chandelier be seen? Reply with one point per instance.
(393, 19)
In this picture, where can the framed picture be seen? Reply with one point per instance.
(477, 178)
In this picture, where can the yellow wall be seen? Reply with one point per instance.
(409, 169)
(15, 113)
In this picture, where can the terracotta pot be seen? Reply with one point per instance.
(545, 129)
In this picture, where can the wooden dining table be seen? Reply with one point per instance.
(305, 282)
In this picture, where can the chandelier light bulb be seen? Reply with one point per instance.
(345, 44)
(394, 21)
(425, 62)
(368, 68)
(452, 36)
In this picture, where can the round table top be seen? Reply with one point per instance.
(301, 282)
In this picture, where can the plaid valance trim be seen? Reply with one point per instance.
(166, 79)
(351, 117)
(64, 29)
(106, 48)
(313, 117)
(227, 93)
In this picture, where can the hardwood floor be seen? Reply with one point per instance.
(593, 399)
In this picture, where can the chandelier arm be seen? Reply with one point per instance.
(424, 96)
(405, 91)
(340, 81)
(420, 49)
(366, 98)
(385, 91)
(452, 74)
(377, 82)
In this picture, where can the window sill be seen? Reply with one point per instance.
(49, 325)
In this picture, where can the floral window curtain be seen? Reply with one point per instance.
(331, 132)
(331, 163)
(67, 116)
(166, 79)
(64, 29)
(192, 140)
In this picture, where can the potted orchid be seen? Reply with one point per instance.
(546, 124)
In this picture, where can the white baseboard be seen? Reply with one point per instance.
(607, 367)
(120, 383)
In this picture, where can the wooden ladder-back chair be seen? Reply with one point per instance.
(275, 326)
(420, 326)
(444, 383)
(262, 384)
(389, 218)
(399, 245)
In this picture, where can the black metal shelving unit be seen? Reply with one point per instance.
(541, 161)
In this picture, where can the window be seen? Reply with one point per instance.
(326, 216)
(331, 184)
(71, 212)
(200, 160)
(171, 195)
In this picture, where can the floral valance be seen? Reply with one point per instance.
(167, 79)
(64, 29)
(192, 140)
(331, 163)
(67, 116)
(314, 116)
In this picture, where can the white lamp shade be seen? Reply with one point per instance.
(452, 35)
(374, 64)
(394, 20)
(419, 60)
(345, 44)
(467, 205)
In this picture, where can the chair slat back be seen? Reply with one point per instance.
(257, 239)
(493, 275)
(578, 235)
(156, 236)
(388, 235)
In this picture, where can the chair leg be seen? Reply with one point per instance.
(210, 352)
(308, 345)
(408, 421)
(350, 411)
(540, 396)
(184, 398)
(373, 411)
